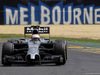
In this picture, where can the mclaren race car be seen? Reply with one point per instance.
(34, 50)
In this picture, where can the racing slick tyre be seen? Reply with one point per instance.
(7, 49)
(60, 48)
(65, 42)
(13, 41)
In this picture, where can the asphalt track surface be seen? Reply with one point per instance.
(79, 63)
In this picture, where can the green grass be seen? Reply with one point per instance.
(12, 36)
(78, 40)
(68, 39)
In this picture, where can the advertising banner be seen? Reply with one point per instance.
(57, 12)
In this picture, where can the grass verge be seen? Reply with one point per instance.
(68, 39)
(79, 40)
(11, 35)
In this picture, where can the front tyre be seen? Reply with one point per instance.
(7, 49)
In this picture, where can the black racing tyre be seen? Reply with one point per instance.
(13, 41)
(65, 42)
(60, 49)
(7, 49)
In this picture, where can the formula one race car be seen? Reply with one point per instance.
(34, 50)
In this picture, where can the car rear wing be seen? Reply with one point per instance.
(40, 30)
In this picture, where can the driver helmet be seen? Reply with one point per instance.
(35, 38)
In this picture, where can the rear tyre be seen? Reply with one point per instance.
(60, 48)
(13, 41)
(7, 49)
(65, 42)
